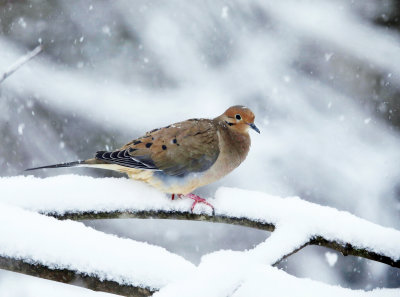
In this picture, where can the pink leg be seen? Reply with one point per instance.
(198, 199)
(173, 196)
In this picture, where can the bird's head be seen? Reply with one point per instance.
(239, 118)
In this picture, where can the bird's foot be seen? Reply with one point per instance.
(198, 199)
(173, 196)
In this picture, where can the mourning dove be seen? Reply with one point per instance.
(181, 157)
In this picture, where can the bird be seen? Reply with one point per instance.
(181, 157)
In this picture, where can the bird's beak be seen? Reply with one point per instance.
(254, 127)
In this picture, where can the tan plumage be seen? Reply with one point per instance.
(181, 157)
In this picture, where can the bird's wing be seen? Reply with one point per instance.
(178, 149)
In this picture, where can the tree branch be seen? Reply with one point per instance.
(72, 277)
(347, 249)
(21, 61)
(344, 248)
(162, 214)
(94, 283)
(348, 234)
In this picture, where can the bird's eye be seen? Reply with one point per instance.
(238, 117)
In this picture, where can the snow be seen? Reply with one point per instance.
(21, 128)
(10, 286)
(310, 218)
(301, 218)
(73, 246)
(75, 193)
(267, 279)
(228, 273)
(331, 258)
(35, 238)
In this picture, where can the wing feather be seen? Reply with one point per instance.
(178, 149)
(120, 158)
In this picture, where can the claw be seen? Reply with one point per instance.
(198, 199)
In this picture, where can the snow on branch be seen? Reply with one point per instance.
(72, 277)
(67, 251)
(81, 197)
(69, 245)
(21, 61)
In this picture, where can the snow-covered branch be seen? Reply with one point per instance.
(347, 249)
(67, 251)
(69, 245)
(121, 198)
(72, 277)
(21, 61)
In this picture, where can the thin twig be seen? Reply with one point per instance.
(291, 253)
(21, 61)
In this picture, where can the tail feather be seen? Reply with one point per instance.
(68, 164)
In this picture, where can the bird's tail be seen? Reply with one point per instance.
(69, 164)
(84, 163)
(93, 163)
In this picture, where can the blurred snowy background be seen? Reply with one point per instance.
(321, 76)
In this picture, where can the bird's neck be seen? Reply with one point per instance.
(241, 142)
(236, 142)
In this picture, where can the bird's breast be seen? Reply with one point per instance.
(233, 150)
